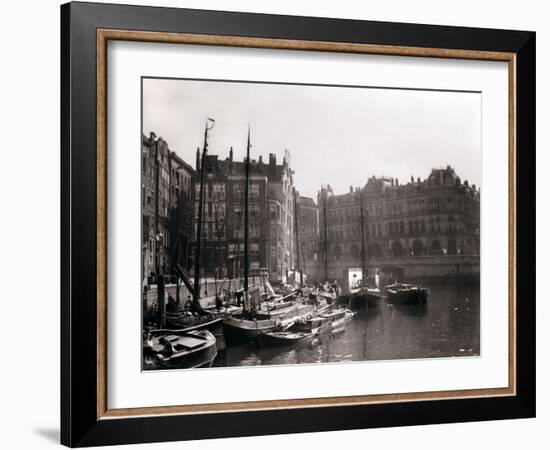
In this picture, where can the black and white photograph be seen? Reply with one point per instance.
(300, 224)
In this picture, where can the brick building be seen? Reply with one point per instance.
(166, 183)
(435, 217)
(271, 216)
(308, 235)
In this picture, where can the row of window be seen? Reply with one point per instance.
(395, 228)
(417, 248)
(396, 209)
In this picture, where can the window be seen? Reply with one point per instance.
(254, 190)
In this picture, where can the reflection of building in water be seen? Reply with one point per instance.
(271, 216)
(424, 227)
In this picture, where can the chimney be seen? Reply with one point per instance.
(260, 160)
(397, 181)
(231, 154)
(474, 187)
(466, 183)
(418, 180)
(272, 160)
(198, 161)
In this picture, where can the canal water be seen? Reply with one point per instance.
(447, 325)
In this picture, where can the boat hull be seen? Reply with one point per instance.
(408, 297)
(199, 356)
(241, 330)
(214, 325)
(282, 339)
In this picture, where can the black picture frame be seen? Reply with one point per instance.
(80, 425)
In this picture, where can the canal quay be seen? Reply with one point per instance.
(240, 269)
(448, 325)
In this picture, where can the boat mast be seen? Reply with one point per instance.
(362, 241)
(247, 178)
(325, 232)
(197, 288)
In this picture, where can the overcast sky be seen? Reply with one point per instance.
(335, 135)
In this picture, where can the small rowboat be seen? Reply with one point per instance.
(184, 351)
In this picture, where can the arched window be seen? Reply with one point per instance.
(401, 228)
(374, 251)
(397, 249)
(417, 248)
(337, 251)
(451, 247)
(436, 247)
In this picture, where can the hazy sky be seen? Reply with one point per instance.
(335, 135)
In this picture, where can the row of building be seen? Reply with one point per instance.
(434, 217)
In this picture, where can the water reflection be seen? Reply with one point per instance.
(448, 325)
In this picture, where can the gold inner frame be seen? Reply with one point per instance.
(104, 35)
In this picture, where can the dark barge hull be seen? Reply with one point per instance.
(363, 300)
(236, 333)
(408, 297)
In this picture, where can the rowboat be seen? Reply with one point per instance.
(187, 350)
(302, 330)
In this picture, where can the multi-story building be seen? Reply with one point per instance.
(165, 191)
(271, 206)
(155, 203)
(180, 211)
(437, 218)
(307, 221)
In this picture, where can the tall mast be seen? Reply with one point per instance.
(325, 230)
(247, 178)
(197, 288)
(362, 240)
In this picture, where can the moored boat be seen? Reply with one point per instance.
(181, 351)
(302, 330)
(406, 293)
(364, 296)
(338, 316)
(248, 325)
(242, 327)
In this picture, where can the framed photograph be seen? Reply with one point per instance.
(276, 224)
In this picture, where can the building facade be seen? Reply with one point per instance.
(270, 221)
(307, 221)
(437, 217)
(166, 186)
